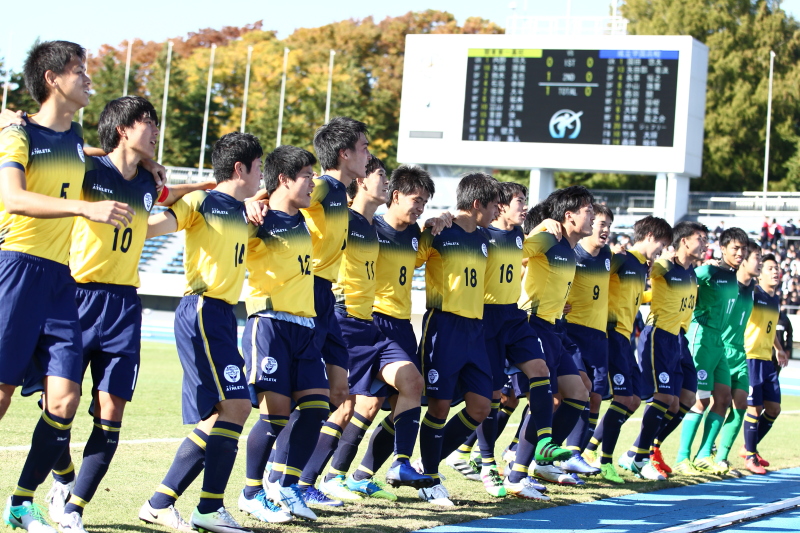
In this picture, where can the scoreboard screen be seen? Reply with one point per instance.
(611, 97)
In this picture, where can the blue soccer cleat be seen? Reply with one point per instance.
(404, 475)
(314, 496)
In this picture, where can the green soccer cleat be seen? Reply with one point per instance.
(370, 488)
(492, 482)
(686, 468)
(706, 465)
(591, 457)
(609, 472)
(28, 516)
(547, 452)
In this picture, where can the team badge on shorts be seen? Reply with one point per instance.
(702, 375)
(663, 377)
(232, 373)
(269, 365)
(485, 250)
(433, 376)
(519, 242)
(415, 244)
(148, 202)
(619, 379)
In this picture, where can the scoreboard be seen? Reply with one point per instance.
(615, 104)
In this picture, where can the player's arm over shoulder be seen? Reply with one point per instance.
(425, 247)
(617, 260)
(538, 243)
(179, 216)
(660, 268)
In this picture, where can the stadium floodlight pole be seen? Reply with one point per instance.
(127, 68)
(8, 76)
(80, 113)
(283, 94)
(330, 87)
(205, 114)
(246, 87)
(163, 123)
(769, 124)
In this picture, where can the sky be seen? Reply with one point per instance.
(101, 22)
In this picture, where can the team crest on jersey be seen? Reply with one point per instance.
(484, 249)
(232, 373)
(619, 379)
(433, 376)
(269, 365)
(663, 377)
(415, 244)
(80, 153)
(148, 202)
(702, 375)
(608, 264)
(519, 242)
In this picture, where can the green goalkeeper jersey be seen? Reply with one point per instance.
(733, 336)
(717, 292)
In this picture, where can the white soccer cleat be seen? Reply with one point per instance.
(336, 489)
(437, 495)
(57, 498)
(645, 470)
(291, 499)
(524, 489)
(464, 465)
(169, 517)
(553, 474)
(71, 523)
(261, 508)
(28, 516)
(219, 521)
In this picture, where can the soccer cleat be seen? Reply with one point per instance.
(577, 465)
(509, 455)
(169, 517)
(609, 472)
(436, 495)
(405, 475)
(729, 470)
(464, 466)
(743, 454)
(492, 482)
(705, 465)
(525, 489)
(417, 465)
(553, 474)
(624, 461)
(71, 523)
(763, 462)
(57, 498)
(591, 457)
(546, 451)
(370, 488)
(754, 466)
(219, 521)
(335, 488)
(313, 496)
(645, 470)
(292, 500)
(28, 516)
(263, 509)
(578, 481)
(686, 468)
(659, 468)
(655, 455)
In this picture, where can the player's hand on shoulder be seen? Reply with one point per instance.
(12, 118)
(110, 212)
(159, 172)
(551, 226)
(712, 262)
(668, 254)
(256, 211)
(437, 224)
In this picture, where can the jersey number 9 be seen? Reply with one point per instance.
(596, 292)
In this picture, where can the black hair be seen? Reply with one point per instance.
(408, 179)
(234, 148)
(570, 199)
(733, 235)
(686, 229)
(476, 186)
(341, 133)
(372, 165)
(600, 209)
(287, 160)
(751, 248)
(535, 216)
(122, 113)
(650, 225)
(769, 257)
(49, 55)
(510, 189)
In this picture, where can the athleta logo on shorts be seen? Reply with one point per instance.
(415, 244)
(148, 201)
(269, 365)
(433, 376)
(232, 373)
(702, 375)
(619, 379)
(519, 242)
(484, 249)
(663, 377)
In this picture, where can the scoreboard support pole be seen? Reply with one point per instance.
(542, 183)
(671, 201)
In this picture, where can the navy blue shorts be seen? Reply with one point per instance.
(40, 333)
(213, 368)
(509, 340)
(660, 361)
(558, 350)
(453, 355)
(625, 377)
(281, 357)
(400, 331)
(764, 385)
(111, 324)
(327, 332)
(688, 370)
(593, 347)
(370, 350)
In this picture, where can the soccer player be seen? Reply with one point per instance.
(452, 348)
(733, 339)
(282, 363)
(717, 291)
(764, 401)
(215, 390)
(673, 300)
(586, 326)
(625, 294)
(41, 171)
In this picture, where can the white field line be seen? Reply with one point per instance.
(731, 518)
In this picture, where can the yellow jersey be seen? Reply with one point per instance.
(759, 335)
(355, 289)
(504, 265)
(589, 293)
(674, 296)
(625, 290)
(394, 270)
(551, 269)
(327, 221)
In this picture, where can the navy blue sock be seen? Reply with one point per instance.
(348, 446)
(750, 427)
(502, 418)
(456, 431)
(431, 431)
(487, 435)
(280, 450)
(306, 433)
(513, 446)
(64, 470)
(49, 439)
(590, 428)
(380, 448)
(526, 448)
(407, 428)
(259, 445)
(671, 425)
(764, 425)
(576, 435)
(612, 423)
(540, 405)
(565, 418)
(651, 424)
(185, 468)
(223, 444)
(100, 449)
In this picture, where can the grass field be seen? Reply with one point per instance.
(152, 430)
